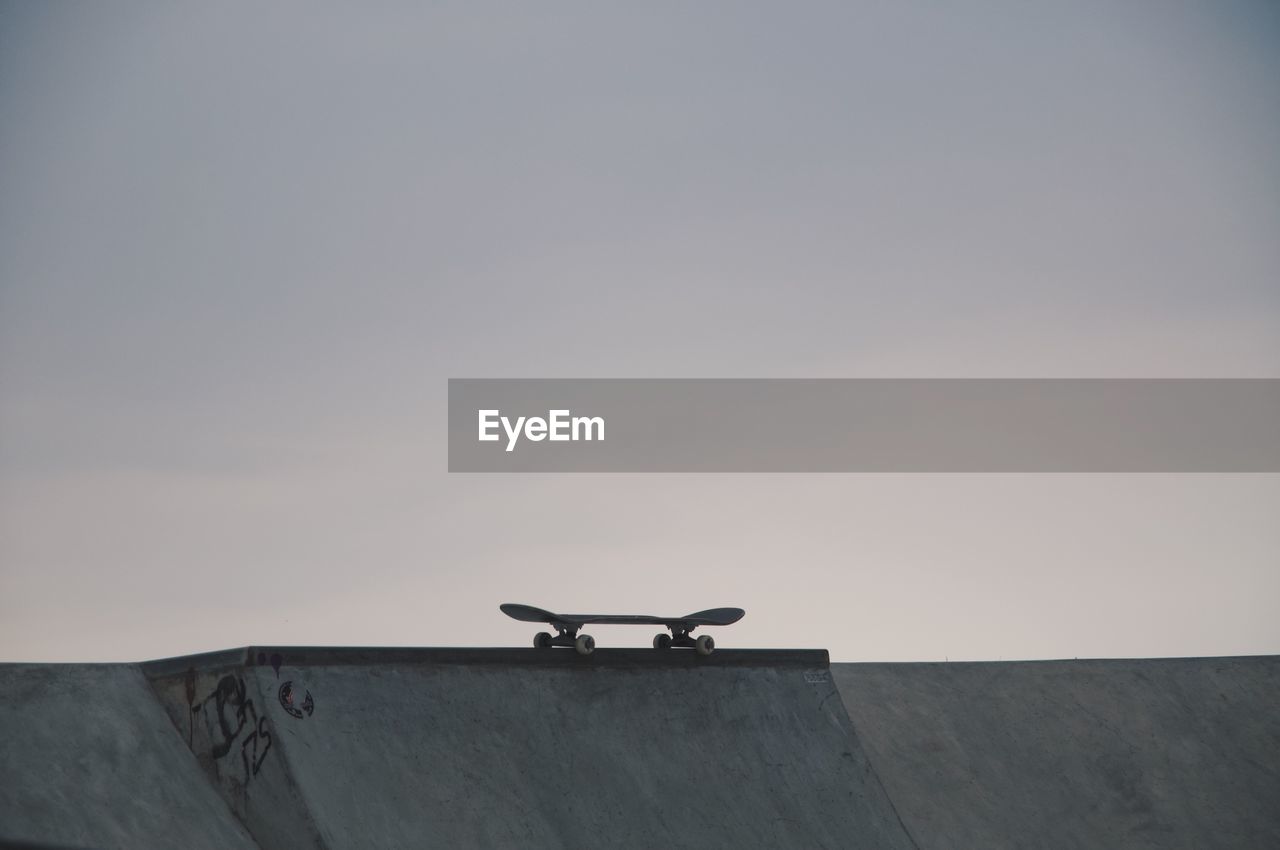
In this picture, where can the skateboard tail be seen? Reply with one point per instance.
(717, 616)
(528, 613)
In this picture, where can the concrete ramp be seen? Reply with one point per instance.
(1177, 753)
(287, 748)
(343, 748)
(88, 758)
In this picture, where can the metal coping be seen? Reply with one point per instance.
(322, 656)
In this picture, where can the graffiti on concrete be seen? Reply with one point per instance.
(276, 660)
(297, 707)
(231, 718)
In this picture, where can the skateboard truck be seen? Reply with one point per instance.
(704, 644)
(565, 636)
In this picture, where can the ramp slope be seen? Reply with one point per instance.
(506, 748)
(89, 759)
(1177, 753)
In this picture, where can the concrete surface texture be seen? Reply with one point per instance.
(518, 748)
(1171, 753)
(334, 748)
(89, 759)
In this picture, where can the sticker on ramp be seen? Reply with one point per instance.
(817, 677)
(289, 700)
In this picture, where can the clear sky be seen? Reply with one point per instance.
(243, 246)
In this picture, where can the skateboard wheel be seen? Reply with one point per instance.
(705, 644)
(542, 640)
(585, 644)
(662, 641)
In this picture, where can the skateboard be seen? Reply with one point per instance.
(567, 626)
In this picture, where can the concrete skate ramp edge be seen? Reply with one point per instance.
(1167, 753)
(393, 748)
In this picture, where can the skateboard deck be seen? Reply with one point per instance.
(568, 625)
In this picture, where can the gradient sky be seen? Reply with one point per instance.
(243, 248)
